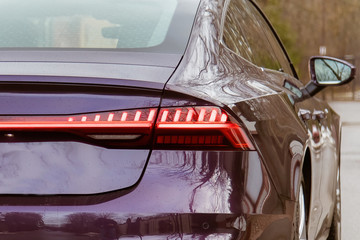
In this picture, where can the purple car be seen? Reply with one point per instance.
(162, 119)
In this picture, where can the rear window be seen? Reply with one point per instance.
(104, 24)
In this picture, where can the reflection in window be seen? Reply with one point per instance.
(244, 35)
(85, 23)
(277, 50)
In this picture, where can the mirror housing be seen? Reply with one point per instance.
(327, 71)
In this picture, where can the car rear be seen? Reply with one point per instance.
(93, 147)
(84, 161)
(81, 85)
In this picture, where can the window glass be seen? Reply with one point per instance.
(276, 47)
(121, 24)
(244, 34)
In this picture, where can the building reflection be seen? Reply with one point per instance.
(173, 226)
(164, 226)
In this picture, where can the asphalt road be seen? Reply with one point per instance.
(350, 167)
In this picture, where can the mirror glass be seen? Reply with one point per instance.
(329, 71)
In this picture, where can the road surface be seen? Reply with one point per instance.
(350, 167)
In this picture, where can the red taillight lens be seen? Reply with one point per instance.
(175, 128)
(199, 127)
(130, 128)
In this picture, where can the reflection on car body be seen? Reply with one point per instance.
(161, 119)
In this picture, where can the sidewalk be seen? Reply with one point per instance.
(348, 111)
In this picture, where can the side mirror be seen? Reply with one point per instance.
(328, 71)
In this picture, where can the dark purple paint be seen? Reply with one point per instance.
(178, 194)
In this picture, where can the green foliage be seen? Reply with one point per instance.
(288, 36)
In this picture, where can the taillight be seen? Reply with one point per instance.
(175, 128)
(199, 127)
(131, 128)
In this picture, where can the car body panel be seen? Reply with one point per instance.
(154, 74)
(52, 167)
(40, 97)
(90, 56)
(144, 226)
(237, 204)
(148, 70)
(174, 194)
(249, 92)
(261, 101)
(49, 168)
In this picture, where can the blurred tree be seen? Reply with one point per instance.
(287, 35)
(304, 26)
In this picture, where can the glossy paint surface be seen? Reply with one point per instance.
(50, 168)
(24, 98)
(166, 194)
(149, 70)
(269, 111)
(36, 165)
(209, 194)
(252, 95)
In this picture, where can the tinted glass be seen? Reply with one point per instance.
(121, 24)
(244, 34)
(276, 47)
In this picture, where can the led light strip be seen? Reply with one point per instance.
(188, 127)
(199, 126)
(147, 115)
(193, 115)
(67, 125)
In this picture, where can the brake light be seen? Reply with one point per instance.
(199, 127)
(131, 128)
(175, 128)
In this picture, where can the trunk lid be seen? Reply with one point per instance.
(50, 163)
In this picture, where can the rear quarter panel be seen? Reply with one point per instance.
(212, 72)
